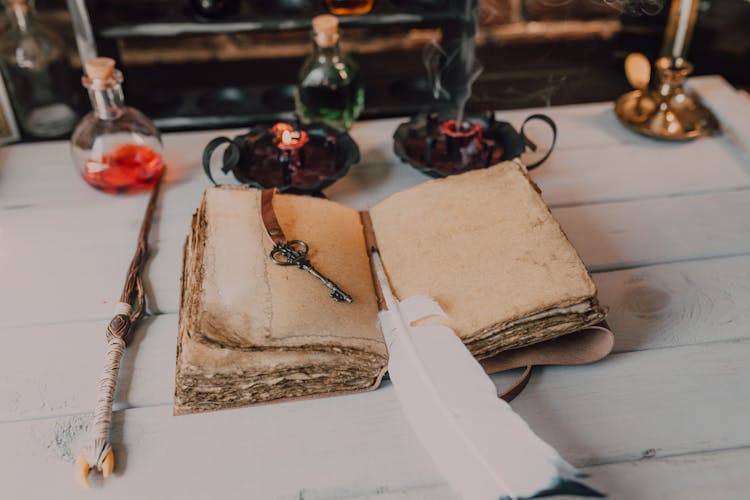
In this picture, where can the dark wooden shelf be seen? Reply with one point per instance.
(239, 106)
(227, 97)
(189, 27)
(139, 21)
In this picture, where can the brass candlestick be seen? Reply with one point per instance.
(670, 112)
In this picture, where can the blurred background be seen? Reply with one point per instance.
(191, 67)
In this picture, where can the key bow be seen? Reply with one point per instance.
(291, 253)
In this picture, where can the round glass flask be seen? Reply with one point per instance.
(116, 148)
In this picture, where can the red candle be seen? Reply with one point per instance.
(289, 142)
(463, 140)
(464, 130)
(288, 139)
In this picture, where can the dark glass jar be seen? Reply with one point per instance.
(215, 9)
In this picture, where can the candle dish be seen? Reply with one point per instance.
(294, 158)
(439, 145)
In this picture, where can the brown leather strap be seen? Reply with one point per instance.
(273, 228)
(510, 394)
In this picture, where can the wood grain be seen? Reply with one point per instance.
(607, 236)
(650, 307)
(627, 400)
(635, 233)
(678, 304)
(665, 226)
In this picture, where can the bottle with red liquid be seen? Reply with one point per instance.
(116, 148)
(349, 7)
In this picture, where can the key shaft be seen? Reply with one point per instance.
(294, 253)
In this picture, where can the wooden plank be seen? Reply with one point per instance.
(579, 125)
(161, 456)
(85, 256)
(720, 474)
(381, 173)
(689, 477)
(639, 170)
(677, 304)
(54, 370)
(658, 306)
(636, 233)
(722, 99)
(92, 233)
(625, 408)
(90, 257)
(43, 174)
(696, 476)
(655, 403)
(587, 126)
(55, 179)
(577, 175)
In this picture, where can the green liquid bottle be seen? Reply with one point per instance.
(329, 88)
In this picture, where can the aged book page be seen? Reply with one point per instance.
(251, 330)
(487, 248)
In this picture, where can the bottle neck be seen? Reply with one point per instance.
(22, 15)
(108, 101)
(326, 46)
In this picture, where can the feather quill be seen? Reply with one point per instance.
(480, 445)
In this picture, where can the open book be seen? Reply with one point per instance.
(483, 244)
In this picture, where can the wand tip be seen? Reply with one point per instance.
(82, 471)
(83, 468)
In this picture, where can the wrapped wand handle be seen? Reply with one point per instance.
(98, 454)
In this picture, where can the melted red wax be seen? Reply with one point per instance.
(128, 168)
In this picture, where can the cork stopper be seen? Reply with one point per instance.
(18, 5)
(100, 68)
(325, 24)
(326, 30)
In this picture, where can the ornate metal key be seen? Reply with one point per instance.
(294, 253)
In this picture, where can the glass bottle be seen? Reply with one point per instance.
(349, 7)
(329, 88)
(215, 9)
(116, 148)
(36, 70)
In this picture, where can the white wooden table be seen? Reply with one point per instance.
(665, 228)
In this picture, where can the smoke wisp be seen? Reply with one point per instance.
(452, 67)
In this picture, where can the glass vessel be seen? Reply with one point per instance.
(349, 7)
(215, 9)
(329, 89)
(37, 73)
(116, 148)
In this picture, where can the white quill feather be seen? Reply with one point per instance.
(480, 445)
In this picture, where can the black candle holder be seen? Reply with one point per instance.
(259, 158)
(438, 145)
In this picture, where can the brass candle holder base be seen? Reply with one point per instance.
(668, 113)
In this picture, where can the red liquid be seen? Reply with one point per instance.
(349, 7)
(129, 168)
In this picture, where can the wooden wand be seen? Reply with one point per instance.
(98, 454)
